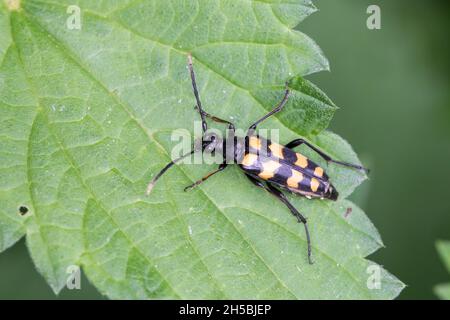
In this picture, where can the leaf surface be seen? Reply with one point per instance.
(86, 120)
(443, 290)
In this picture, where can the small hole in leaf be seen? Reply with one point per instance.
(23, 210)
(348, 212)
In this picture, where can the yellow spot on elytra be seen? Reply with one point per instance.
(302, 161)
(318, 172)
(314, 184)
(13, 5)
(249, 159)
(255, 143)
(295, 179)
(269, 168)
(276, 150)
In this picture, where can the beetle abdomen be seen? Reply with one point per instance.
(276, 163)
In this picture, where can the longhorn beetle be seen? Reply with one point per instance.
(267, 165)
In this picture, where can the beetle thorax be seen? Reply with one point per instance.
(232, 148)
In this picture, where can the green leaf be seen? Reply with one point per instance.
(443, 248)
(86, 118)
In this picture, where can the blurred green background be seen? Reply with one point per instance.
(393, 89)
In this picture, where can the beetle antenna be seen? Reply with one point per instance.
(171, 163)
(197, 97)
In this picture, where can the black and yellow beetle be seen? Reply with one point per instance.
(268, 165)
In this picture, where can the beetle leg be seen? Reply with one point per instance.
(221, 167)
(327, 158)
(216, 119)
(282, 197)
(256, 182)
(277, 109)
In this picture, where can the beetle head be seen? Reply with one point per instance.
(212, 142)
